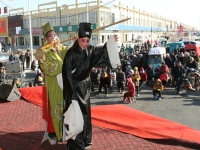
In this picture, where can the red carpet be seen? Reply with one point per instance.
(128, 120)
(33, 94)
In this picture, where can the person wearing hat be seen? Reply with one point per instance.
(78, 62)
(51, 66)
(157, 88)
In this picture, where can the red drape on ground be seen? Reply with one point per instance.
(33, 94)
(129, 120)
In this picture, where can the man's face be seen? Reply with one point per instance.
(84, 42)
(179, 64)
(50, 36)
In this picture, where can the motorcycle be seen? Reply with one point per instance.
(186, 85)
(191, 75)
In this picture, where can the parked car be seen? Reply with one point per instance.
(4, 58)
(190, 42)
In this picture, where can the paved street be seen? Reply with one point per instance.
(183, 108)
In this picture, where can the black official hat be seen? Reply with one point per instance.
(84, 30)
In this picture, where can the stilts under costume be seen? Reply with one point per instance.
(76, 84)
(52, 68)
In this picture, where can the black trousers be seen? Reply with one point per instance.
(164, 83)
(142, 83)
(156, 91)
(27, 64)
(105, 88)
(120, 85)
(84, 138)
(137, 89)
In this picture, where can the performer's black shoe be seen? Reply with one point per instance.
(87, 146)
(52, 138)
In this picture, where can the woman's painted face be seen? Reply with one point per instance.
(50, 36)
(84, 42)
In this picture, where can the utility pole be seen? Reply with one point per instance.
(31, 43)
(87, 12)
(151, 35)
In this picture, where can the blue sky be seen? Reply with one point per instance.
(182, 11)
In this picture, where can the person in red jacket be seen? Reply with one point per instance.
(143, 79)
(164, 79)
(131, 91)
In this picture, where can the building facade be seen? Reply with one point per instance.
(141, 26)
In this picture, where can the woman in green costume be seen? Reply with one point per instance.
(51, 65)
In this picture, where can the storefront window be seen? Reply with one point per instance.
(21, 40)
(36, 40)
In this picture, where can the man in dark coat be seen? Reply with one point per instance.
(168, 61)
(78, 62)
(22, 58)
(178, 73)
(12, 57)
(176, 50)
(28, 58)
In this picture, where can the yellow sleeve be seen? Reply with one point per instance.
(138, 77)
(63, 50)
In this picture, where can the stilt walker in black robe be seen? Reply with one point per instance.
(78, 62)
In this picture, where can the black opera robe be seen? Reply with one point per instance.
(76, 84)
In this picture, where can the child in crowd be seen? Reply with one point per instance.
(30, 84)
(16, 82)
(143, 80)
(131, 91)
(40, 81)
(104, 82)
(136, 79)
(157, 88)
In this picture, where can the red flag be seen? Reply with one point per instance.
(5, 10)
